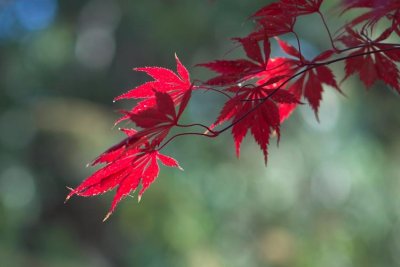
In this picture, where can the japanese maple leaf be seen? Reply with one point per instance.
(379, 9)
(157, 120)
(254, 109)
(302, 7)
(165, 80)
(372, 66)
(279, 18)
(279, 71)
(133, 161)
(308, 84)
(274, 26)
(311, 76)
(127, 168)
(235, 71)
(288, 7)
(130, 144)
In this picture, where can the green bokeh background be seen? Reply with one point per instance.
(330, 195)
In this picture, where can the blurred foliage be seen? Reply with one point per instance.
(330, 195)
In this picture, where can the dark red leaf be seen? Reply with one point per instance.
(165, 104)
(309, 84)
(373, 66)
(288, 49)
(185, 100)
(378, 9)
(254, 109)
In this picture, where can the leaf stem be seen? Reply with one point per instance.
(299, 45)
(215, 134)
(327, 30)
(262, 100)
(315, 65)
(196, 124)
(213, 89)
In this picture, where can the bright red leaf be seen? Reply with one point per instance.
(165, 80)
(254, 109)
(132, 167)
(235, 71)
(156, 121)
(312, 76)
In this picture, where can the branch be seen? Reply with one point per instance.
(262, 100)
(327, 30)
(186, 134)
(316, 65)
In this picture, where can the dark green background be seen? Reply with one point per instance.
(330, 195)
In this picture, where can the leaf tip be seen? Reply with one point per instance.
(107, 216)
(139, 198)
(67, 198)
(70, 194)
(317, 116)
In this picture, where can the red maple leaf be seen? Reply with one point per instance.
(128, 166)
(279, 71)
(235, 71)
(279, 18)
(273, 25)
(379, 9)
(312, 75)
(133, 161)
(156, 121)
(254, 109)
(165, 80)
(285, 8)
(302, 7)
(372, 67)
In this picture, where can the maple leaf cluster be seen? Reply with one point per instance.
(262, 91)
(134, 161)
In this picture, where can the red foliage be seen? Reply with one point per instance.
(234, 71)
(262, 91)
(133, 161)
(252, 109)
(165, 80)
(372, 67)
(312, 75)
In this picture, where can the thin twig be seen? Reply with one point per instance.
(196, 124)
(186, 134)
(262, 100)
(327, 29)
